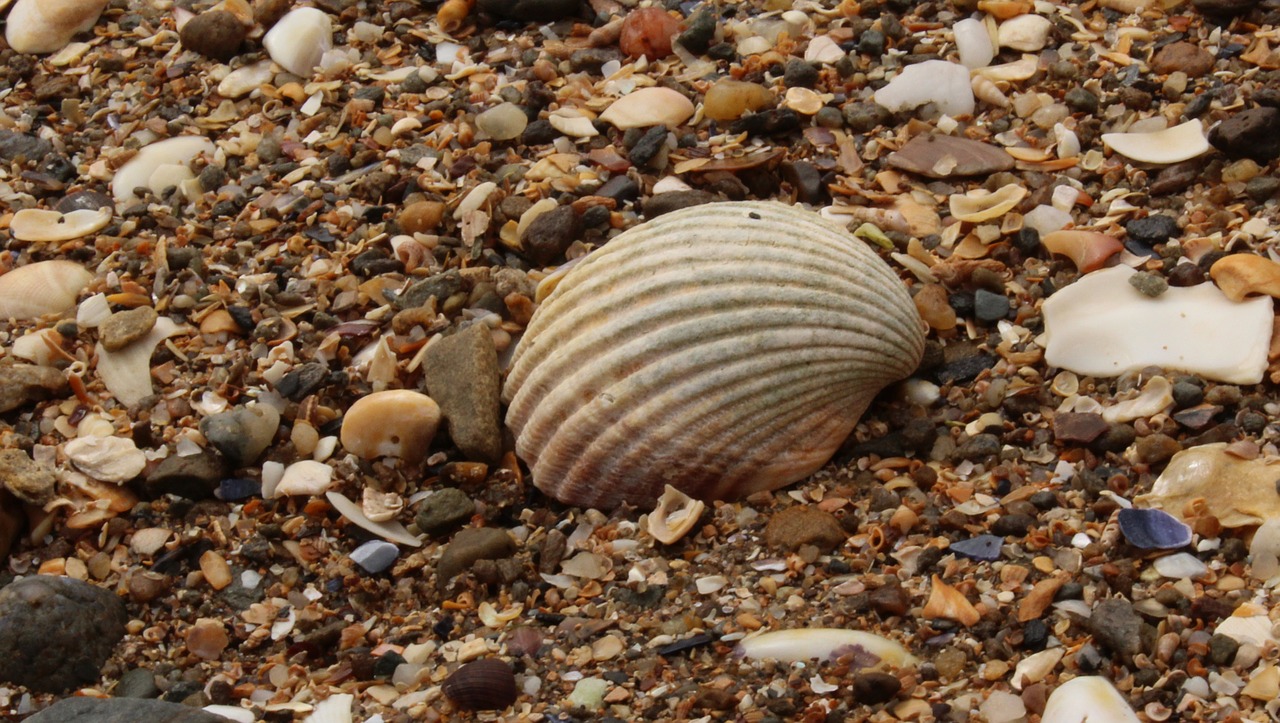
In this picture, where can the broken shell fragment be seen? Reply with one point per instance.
(127, 373)
(46, 26)
(1240, 275)
(306, 477)
(299, 40)
(982, 205)
(938, 155)
(1149, 529)
(649, 107)
(380, 506)
(804, 644)
(158, 166)
(940, 82)
(1088, 250)
(106, 459)
(1087, 699)
(729, 346)
(393, 423)
(45, 287)
(36, 224)
(1171, 145)
(947, 602)
(1238, 492)
(674, 516)
(1102, 326)
(388, 530)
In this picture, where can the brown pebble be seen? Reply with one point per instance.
(421, 217)
(648, 32)
(1081, 427)
(729, 99)
(214, 34)
(207, 639)
(1187, 57)
(147, 586)
(125, 327)
(805, 525)
(934, 307)
(1155, 449)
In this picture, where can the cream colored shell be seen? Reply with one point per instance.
(724, 349)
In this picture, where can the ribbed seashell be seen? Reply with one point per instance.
(724, 349)
(45, 287)
(485, 684)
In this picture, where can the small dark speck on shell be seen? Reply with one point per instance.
(1149, 529)
(485, 684)
(688, 643)
(983, 547)
(754, 215)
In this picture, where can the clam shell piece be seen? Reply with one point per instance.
(1171, 145)
(649, 107)
(1088, 698)
(1102, 326)
(37, 224)
(45, 287)
(46, 26)
(981, 205)
(1239, 492)
(394, 423)
(803, 644)
(726, 348)
(1240, 275)
(157, 165)
(674, 516)
(485, 684)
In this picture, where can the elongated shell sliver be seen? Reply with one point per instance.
(723, 349)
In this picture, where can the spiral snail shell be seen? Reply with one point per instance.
(724, 349)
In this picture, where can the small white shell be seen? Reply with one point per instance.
(649, 107)
(1171, 145)
(37, 224)
(726, 349)
(1087, 698)
(306, 477)
(674, 516)
(299, 40)
(803, 644)
(158, 165)
(980, 205)
(45, 287)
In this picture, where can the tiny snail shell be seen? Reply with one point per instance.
(484, 684)
(725, 349)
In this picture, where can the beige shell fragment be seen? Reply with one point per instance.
(1087, 699)
(982, 205)
(380, 506)
(106, 459)
(306, 477)
(127, 372)
(1239, 492)
(649, 107)
(1171, 145)
(393, 423)
(46, 26)
(1240, 275)
(804, 644)
(726, 349)
(947, 602)
(158, 165)
(45, 287)
(37, 224)
(674, 516)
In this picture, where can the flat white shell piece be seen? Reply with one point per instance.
(1102, 326)
(1171, 145)
(1087, 699)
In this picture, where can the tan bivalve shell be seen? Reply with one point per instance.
(724, 349)
(45, 287)
(392, 423)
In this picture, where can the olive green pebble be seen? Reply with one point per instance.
(1148, 283)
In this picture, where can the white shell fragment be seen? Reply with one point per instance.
(106, 459)
(1102, 326)
(674, 516)
(393, 423)
(803, 644)
(1171, 145)
(46, 26)
(243, 81)
(158, 166)
(726, 348)
(649, 107)
(37, 224)
(1087, 699)
(982, 205)
(389, 530)
(127, 372)
(944, 84)
(334, 709)
(973, 43)
(306, 477)
(45, 287)
(299, 40)
(1028, 33)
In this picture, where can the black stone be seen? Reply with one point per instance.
(799, 73)
(1154, 229)
(1254, 133)
(662, 203)
(303, 381)
(648, 146)
(441, 286)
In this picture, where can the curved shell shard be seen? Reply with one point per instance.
(723, 349)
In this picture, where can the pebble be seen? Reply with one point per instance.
(440, 286)
(1116, 627)
(28, 481)
(122, 710)
(125, 327)
(795, 527)
(864, 117)
(990, 307)
(306, 478)
(649, 107)
(875, 688)
(1222, 649)
(889, 600)
(648, 147)
(547, 237)
(1149, 284)
(15, 146)
(299, 40)
(944, 84)
(1078, 427)
(973, 43)
(136, 683)
(57, 632)
(1182, 56)
(468, 546)
(1026, 33)
(655, 206)
(805, 180)
(214, 34)
(306, 379)
(207, 638)
(982, 547)
(242, 434)
(1254, 133)
(1155, 449)
(375, 556)
(936, 155)
(46, 26)
(365, 432)
(502, 123)
(421, 216)
(978, 447)
(799, 74)
(21, 384)
(1012, 525)
(537, 10)
(700, 32)
(444, 510)
(1154, 229)
(233, 489)
(194, 476)
(107, 459)
(1224, 7)
(648, 32)
(462, 376)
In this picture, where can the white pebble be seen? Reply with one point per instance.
(299, 40)
(1028, 33)
(973, 42)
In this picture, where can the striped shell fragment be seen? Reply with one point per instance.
(724, 349)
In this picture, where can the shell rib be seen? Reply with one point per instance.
(723, 349)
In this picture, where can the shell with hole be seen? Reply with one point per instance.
(726, 349)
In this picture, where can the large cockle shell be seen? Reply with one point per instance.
(45, 287)
(724, 349)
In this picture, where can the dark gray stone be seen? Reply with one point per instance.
(194, 476)
(21, 384)
(1154, 229)
(214, 34)
(469, 545)
(662, 203)
(441, 286)
(444, 510)
(1116, 627)
(122, 710)
(301, 382)
(15, 146)
(243, 433)
(462, 376)
(1254, 133)
(548, 235)
(537, 10)
(700, 33)
(57, 632)
(137, 683)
